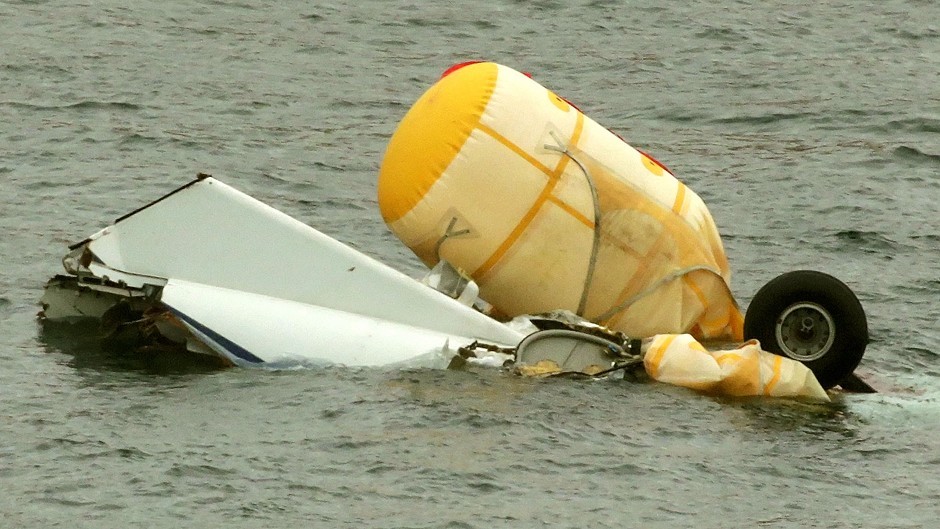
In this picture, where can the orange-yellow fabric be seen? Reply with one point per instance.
(449, 111)
(746, 371)
(497, 174)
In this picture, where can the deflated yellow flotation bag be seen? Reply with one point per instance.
(745, 371)
(548, 210)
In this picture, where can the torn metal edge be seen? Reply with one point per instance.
(199, 178)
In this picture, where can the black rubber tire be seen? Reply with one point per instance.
(812, 317)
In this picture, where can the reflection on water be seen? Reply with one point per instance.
(92, 348)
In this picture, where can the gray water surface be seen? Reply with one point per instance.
(812, 130)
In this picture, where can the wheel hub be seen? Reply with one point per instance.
(805, 331)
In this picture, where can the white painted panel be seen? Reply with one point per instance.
(210, 233)
(252, 328)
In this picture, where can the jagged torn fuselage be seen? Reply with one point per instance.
(231, 276)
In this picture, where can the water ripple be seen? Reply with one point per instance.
(911, 153)
(79, 106)
(914, 124)
(814, 145)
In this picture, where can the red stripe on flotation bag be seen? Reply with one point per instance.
(460, 65)
(654, 160)
(456, 67)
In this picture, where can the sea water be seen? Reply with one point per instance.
(811, 129)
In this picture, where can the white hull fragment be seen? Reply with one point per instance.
(254, 329)
(257, 286)
(215, 271)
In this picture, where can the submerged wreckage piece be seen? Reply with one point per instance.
(493, 174)
(546, 209)
(213, 270)
(231, 276)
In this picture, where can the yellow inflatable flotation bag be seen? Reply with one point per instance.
(545, 209)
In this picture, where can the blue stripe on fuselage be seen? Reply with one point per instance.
(228, 345)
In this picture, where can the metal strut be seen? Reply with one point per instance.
(597, 234)
(447, 235)
(592, 263)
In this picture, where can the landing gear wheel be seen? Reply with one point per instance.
(811, 317)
